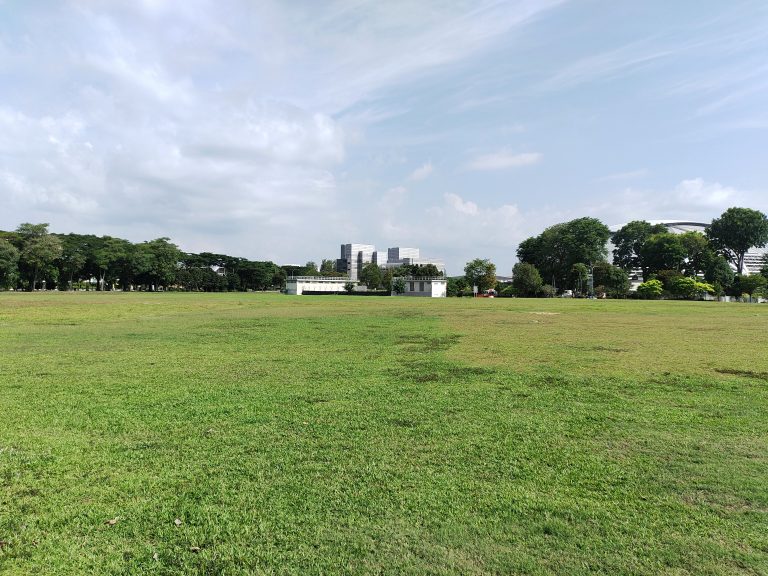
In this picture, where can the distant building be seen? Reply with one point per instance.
(429, 287)
(298, 285)
(397, 253)
(355, 256)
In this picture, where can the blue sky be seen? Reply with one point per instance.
(279, 130)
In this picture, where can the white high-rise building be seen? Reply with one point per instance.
(398, 253)
(353, 258)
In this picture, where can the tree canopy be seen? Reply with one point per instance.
(31, 255)
(736, 231)
(559, 247)
(480, 273)
(662, 251)
(9, 263)
(526, 280)
(628, 242)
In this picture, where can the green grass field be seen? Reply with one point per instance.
(343, 435)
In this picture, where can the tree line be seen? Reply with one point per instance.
(32, 258)
(573, 256)
(570, 256)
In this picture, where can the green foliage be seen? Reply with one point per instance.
(750, 284)
(398, 285)
(456, 286)
(328, 268)
(579, 278)
(480, 273)
(718, 272)
(690, 288)
(555, 251)
(162, 263)
(526, 280)
(9, 264)
(663, 251)
(310, 269)
(417, 270)
(629, 241)
(650, 289)
(736, 231)
(386, 279)
(106, 254)
(38, 252)
(614, 281)
(667, 277)
(698, 252)
(548, 291)
(349, 287)
(370, 275)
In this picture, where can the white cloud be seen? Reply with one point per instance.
(697, 192)
(693, 199)
(503, 159)
(477, 226)
(422, 172)
(223, 129)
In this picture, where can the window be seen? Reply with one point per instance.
(412, 288)
(421, 286)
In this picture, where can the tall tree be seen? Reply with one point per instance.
(559, 247)
(526, 279)
(106, 257)
(698, 252)
(328, 267)
(718, 273)
(163, 258)
(579, 277)
(628, 241)
(370, 275)
(614, 280)
(750, 284)
(736, 231)
(9, 264)
(662, 251)
(73, 259)
(481, 273)
(39, 250)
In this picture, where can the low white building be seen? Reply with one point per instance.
(429, 287)
(297, 285)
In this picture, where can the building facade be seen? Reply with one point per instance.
(298, 285)
(425, 287)
(355, 256)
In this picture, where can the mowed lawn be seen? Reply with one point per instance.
(344, 435)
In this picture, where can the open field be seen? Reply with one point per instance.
(343, 435)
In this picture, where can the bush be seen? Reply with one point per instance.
(650, 290)
(690, 288)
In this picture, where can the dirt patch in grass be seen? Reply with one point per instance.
(744, 373)
(427, 343)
